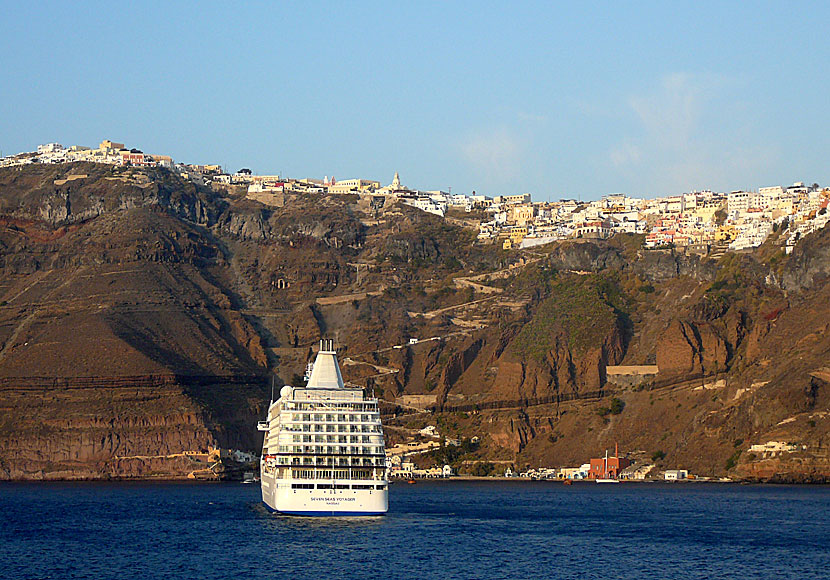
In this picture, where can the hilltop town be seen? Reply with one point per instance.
(702, 222)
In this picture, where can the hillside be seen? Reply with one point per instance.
(141, 317)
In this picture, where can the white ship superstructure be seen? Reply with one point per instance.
(323, 452)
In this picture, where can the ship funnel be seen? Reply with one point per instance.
(325, 373)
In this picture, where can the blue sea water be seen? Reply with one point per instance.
(434, 530)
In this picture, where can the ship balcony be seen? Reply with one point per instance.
(332, 428)
(263, 426)
(297, 419)
(283, 462)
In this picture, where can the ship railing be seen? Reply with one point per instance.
(348, 422)
(356, 464)
(306, 428)
(350, 477)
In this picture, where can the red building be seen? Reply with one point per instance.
(601, 469)
(135, 158)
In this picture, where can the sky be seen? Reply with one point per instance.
(554, 99)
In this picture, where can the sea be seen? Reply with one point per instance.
(434, 530)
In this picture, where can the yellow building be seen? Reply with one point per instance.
(354, 185)
(705, 212)
(517, 234)
(107, 144)
(521, 214)
(784, 207)
(725, 234)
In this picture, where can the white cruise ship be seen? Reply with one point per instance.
(323, 453)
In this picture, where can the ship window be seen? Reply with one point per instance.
(341, 486)
(380, 487)
(361, 486)
(324, 486)
(302, 486)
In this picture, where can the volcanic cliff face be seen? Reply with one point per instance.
(566, 345)
(142, 318)
(809, 265)
(111, 289)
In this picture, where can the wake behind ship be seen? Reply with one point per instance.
(323, 452)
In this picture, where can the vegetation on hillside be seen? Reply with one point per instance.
(582, 308)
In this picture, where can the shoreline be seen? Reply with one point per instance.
(502, 479)
(401, 482)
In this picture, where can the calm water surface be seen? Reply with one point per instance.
(439, 530)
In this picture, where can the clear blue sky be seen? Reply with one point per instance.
(556, 100)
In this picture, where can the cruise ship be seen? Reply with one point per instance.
(323, 452)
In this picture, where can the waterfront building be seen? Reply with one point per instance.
(607, 467)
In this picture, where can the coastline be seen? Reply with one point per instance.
(501, 479)
(439, 480)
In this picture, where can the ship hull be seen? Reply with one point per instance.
(279, 496)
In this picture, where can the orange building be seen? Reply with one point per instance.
(600, 470)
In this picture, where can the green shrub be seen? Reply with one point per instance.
(483, 469)
(733, 460)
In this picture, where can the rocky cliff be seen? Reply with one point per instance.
(142, 319)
